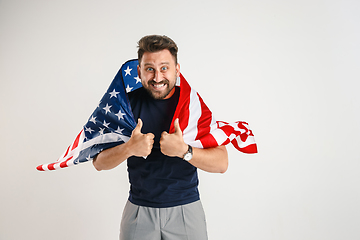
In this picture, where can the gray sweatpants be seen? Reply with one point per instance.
(185, 222)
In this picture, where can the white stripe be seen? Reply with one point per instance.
(105, 138)
(250, 140)
(45, 167)
(190, 132)
(196, 144)
(219, 136)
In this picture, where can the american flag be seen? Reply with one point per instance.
(112, 122)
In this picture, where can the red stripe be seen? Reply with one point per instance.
(76, 142)
(252, 148)
(182, 109)
(51, 166)
(64, 164)
(228, 130)
(67, 151)
(227, 141)
(40, 168)
(204, 121)
(208, 141)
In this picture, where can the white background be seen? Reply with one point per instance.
(289, 68)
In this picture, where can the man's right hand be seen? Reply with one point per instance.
(139, 144)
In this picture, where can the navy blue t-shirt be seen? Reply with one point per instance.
(159, 180)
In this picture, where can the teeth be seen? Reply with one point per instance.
(158, 85)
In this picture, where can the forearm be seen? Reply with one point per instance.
(214, 160)
(111, 158)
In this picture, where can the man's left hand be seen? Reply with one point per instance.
(173, 145)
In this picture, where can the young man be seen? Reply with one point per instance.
(164, 201)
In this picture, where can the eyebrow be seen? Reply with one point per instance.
(162, 63)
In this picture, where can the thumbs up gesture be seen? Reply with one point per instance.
(173, 145)
(139, 144)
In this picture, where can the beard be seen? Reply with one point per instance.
(159, 94)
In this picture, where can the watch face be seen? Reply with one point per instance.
(188, 156)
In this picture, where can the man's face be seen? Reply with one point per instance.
(158, 73)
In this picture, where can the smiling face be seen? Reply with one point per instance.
(158, 72)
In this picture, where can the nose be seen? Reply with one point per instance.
(158, 76)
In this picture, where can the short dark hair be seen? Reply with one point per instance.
(155, 43)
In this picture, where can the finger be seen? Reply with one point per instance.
(150, 135)
(138, 126)
(177, 126)
(164, 134)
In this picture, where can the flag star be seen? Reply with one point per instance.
(89, 158)
(101, 131)
(106, 124)
(137, 79)
(88, 130)
(128, 88)
(99, 104)
(107, 108)
(113, 93)
(119, 130)
(93, 119)
(120, 115)
(127, 71)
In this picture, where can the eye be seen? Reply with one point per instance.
(164, 68)
(149, 69)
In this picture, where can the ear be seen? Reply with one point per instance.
(138, 70)
(178, 70)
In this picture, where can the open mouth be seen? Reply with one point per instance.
(159, 90)
(158, 86)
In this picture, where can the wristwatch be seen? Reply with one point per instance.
(188, 155)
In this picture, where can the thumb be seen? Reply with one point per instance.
(138, 126)
(177, 126)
